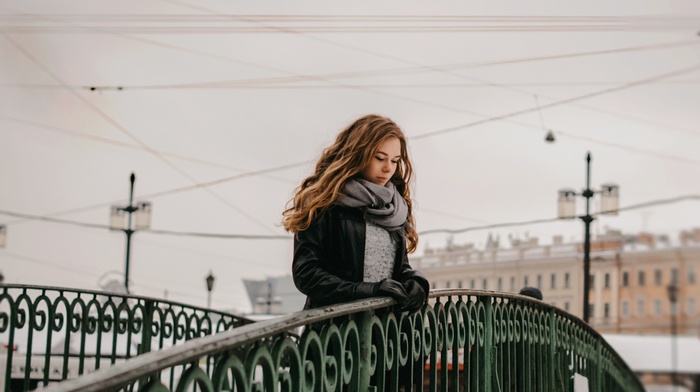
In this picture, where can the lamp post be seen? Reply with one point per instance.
(210, 286)
(673, 299)
(610, 195)
(121, 219)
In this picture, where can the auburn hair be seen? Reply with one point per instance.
(351, 152)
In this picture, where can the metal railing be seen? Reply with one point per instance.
(465, 340)
(50, 334)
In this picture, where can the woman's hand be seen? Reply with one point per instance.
(393, 289)
(415, 297)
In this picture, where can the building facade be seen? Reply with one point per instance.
(630, 277)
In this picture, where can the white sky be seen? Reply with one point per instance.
(64, 148)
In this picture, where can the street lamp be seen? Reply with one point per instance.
(610, 195)
(121, 219)
(673, 299)
(210, 286)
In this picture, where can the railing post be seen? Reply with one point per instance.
(598, 366)
(488, 345)
(553, 363)
(146, 336)
(364, 328)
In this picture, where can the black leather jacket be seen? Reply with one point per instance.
(329, 259)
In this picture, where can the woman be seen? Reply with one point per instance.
(353, 220)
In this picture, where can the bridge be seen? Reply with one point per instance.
(463, 340)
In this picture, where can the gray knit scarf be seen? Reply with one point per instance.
(382, 205)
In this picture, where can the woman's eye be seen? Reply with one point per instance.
(395, 162)
(379, 159)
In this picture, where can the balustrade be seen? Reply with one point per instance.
(465, 340)
(51, 334)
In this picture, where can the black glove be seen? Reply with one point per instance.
(393, 289)
(416, 297)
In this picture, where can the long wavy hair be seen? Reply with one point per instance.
(351, 152)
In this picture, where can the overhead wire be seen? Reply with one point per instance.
(279, 81)
(651, 203)
(129, 134)
(228, 23)
(223, 180)
(430, 68)
(636, 83)
(118, 143)
(37, 86)
(646, 204)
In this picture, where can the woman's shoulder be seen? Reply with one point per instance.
(338, 212)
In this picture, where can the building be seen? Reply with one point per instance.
(630, 277)
(274, 296)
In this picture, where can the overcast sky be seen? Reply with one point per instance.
(197, 98)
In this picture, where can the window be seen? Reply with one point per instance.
(553, 281)
(433, 285)
(512, 284)
(591, 310)
(691, 274)
(607, 281)
(472, 284)
(567, 306)
(674, 275)
(484, 284)
(658, 277)
(500, 284)
(625, 309)
(539, 281)
(447, 284)
(690, 309)
(460, 284)
(525, 281)
(657, 307)
(640, 278)
(625, 279)
(566, 280)
(591, 281)
(640, 308)
(606, 310)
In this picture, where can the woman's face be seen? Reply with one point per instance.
(382, 165)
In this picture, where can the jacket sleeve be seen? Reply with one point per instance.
(406, 272)
(310, 272)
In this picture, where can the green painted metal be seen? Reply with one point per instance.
(56, 333)
(465, 340)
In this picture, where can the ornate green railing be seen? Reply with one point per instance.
(50, 334)
(466, 340)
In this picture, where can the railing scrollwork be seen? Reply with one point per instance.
(464, 340)
(50, 334)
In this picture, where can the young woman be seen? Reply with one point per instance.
(353, 221)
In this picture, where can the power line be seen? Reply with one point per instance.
(640, 82)
(283, 80)
(126, 145)
(38, 86)
(314, 78)
(288, 237)
(126, 132)
(550, 220)
(168, 232)
(229, 23)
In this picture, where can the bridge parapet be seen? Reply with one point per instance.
(464, 340)
(52, 333)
